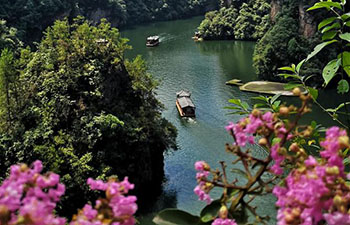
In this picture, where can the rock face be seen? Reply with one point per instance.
(307, 23)
(276, 6)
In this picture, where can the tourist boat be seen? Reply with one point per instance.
(197, 36)
(184, 104)
(152, 41)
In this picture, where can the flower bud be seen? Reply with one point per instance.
(23, 167)
(284, 111)
(206, 166)
(263, 142)
(296, 91)
(344, 142)
(256, 112)
(223, 212)
(334, 170)
(295, 212)
(289, 218)
(294, 147)
(5, 214)
(337, 200)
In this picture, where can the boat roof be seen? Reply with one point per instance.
(183, 93)
(185, 102)
(152, 38)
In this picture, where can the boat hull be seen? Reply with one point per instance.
(181, 112)
(152, 45)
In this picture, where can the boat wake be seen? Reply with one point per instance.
(164, 37)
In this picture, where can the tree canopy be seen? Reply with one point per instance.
(81, 108)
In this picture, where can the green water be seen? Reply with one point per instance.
(203, 68)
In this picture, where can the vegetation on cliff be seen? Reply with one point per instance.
(32, 17)
(81, 108)
(248, 20)
(284, 44)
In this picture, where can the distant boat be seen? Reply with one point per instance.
(152, 41)
(184, 104)
(197, 37)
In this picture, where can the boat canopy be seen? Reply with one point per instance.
(183, 93)
(185, 102)
(153, 38)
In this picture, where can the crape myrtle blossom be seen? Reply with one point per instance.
(317, 191)
(258, 123)
(220, 221)
(203, 188)
(28, 197)
(116, 209)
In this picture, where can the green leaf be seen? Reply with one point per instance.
(313, 124)
(175, 217)
(328, 5)
(286, 75)
(210, 212)
(318, 48)
(343, 87)
(325, 22)
(291, 86)
(346, 62)
(275, 97)
(287, 68)
(275, 105)
(347, 24)
(261, 98)
(235, 101)
(330, 70)
(300, 64)
(313, 92)
(245, 106)
(329, 35)
(276, 141)
(345, 16)
(333, 26)
(345, 36)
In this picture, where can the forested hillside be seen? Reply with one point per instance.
(33, 16)
(285, 32)
(240, 20)
(76, 104)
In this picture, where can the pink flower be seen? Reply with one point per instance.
(278, 158)
(337, 218)
(202, 192)
(220, 221)
(37, 201)
(199, 165)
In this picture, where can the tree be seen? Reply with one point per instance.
(86, 113)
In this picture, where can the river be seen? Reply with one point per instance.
(203, 68)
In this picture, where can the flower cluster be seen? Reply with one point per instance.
(317, 190)
(203, 188)
(27, 197)
(261, 124)
(116, 209)
(220, 221)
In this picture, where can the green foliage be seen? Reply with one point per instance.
(8, 38)
(84, 111)
(282, 45)
(32, 17)
(247, 21)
